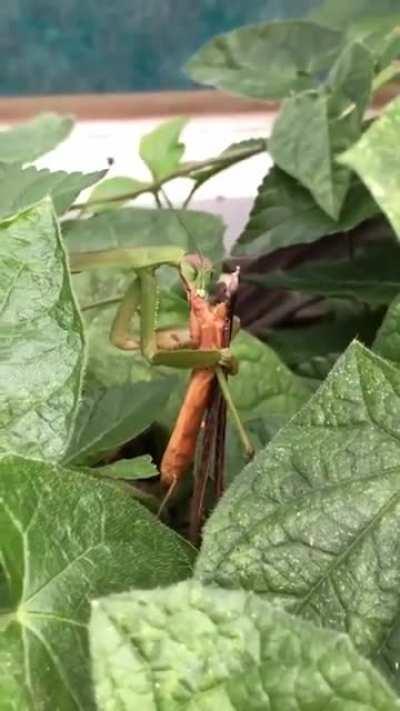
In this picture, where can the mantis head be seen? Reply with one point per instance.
(196, 272)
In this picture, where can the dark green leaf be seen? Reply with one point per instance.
(267, 61)
(161, 149)
(20, 188)
(311, 350)
(312, 523)
(41, 352)
(372, 276)
(137, 468)
(66, 538)
(28, 141)
(375, 159)
(387, 342)
(112, 188)
(285, 213)
(193, 647)
(110, 417)
(138, 227)
(314, 127)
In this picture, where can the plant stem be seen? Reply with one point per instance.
(185, 170)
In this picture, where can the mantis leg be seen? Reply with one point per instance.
(120, 328)
(182, 358)
(223, 383)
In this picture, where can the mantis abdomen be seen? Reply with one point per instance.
(181, 448)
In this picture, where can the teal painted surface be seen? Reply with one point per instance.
(60, 46)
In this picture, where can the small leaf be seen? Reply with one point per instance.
(108, 418)
(285, 213)
(162, 150)
(312, 522)
(267, 60)
(21, 188)
(192, 647)
(372, 276)
(112, 188)
(41, 358)
(28, 141)
(387, 342)
(375, 158)
(136, 227)
(65, 539)
(137, 468)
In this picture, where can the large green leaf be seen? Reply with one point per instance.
(139, 227)
(161, 149)
(387, 342)
(314, 127)
(194, 647)
(267, 61)
(20, 188)
(372, 276)
(41, 346)
(313, 522)
(66, 538)
(285, 213)
(110, 417)
(375, 159)
(28, 141)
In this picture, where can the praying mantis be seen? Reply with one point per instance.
(199, 348)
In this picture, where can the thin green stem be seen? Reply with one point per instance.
(185, 170)
(248, 447)
(102, 304)
(385, 76)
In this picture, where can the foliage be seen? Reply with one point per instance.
(293, 598)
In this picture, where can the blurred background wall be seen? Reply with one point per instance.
(73, 46)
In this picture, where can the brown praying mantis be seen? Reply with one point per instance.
(203, 347)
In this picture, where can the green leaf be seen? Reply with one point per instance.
(65, 539)
(264, 385)
(108, 418)
(314, 127)
(161, 149)
(21, 188)
(266, 395)
(311, 350)
(285, 213)
(136, 227)
(358, 18)
(28, 141)
(372, 276)
(312, 523)
(268, 60)
(192, 647)
(387, 342)
(110, 189)
(41, 356)
(374, 158)
(137, 468)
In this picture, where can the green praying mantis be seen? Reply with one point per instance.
(199, 348)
